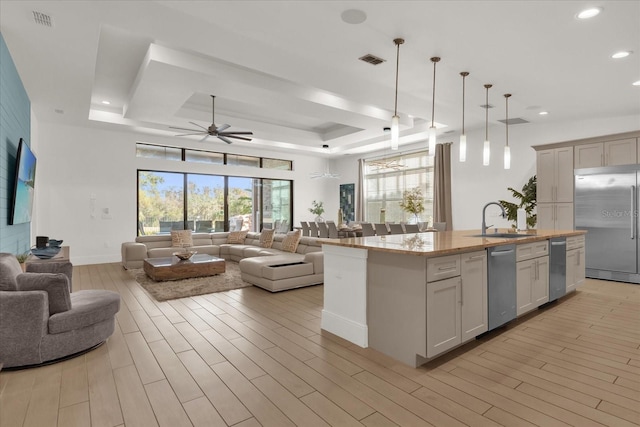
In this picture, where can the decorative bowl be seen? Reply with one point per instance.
(45, 253)
(185, 255)
(54, 243)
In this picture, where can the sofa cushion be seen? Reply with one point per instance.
(9, 269)
(181, 238)
(88, 307)
(55, 284)
(266, 238)
(290, 242)
(162, 252)
(236, 237)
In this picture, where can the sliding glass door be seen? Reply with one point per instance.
(276, 204)
(205, 203)
(160, 202)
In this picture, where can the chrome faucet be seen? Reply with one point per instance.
(484, 210)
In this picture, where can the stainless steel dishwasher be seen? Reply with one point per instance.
(502, 285)
(557, 268)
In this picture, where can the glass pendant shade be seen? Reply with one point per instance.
(507, 157)
(395, 132)
(463, 148)
(432, 141)
(486, 153)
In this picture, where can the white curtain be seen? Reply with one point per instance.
(360, 197)
(442, 185)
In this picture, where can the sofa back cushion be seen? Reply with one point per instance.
(308, 245)
(157, 241)
(237, 237)
(9, 269)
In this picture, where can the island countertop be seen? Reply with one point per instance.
(432, 244)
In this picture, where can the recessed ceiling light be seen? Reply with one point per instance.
(636, 83)
(589, 13)
(59, 111)
(621, 54)
(106, 102)
(543, 113)
(353, 16)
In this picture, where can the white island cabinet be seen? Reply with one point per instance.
(414, 297)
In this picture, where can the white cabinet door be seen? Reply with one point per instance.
(474, 313)
(564, 174)
(564, 216)
(589, 155)
(546, 175)
(443, 315)
(546, 216)
(620, 152)
(541, 285)
(575, 268)
(525, 277)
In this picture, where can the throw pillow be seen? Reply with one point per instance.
(291, 240)
(266, 238)
(237, 237)
(181, 238)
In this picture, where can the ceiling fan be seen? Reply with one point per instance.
(213, 130)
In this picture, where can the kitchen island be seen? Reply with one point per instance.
(417, 296)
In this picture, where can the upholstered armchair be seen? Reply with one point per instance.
(42, 321)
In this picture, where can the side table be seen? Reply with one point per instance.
(58, 264)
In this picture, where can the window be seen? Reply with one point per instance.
(237, 160)
(158, 152)
(277, 164)
(198, 156)
(384, 185)
(204, 203)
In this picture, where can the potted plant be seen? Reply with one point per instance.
(22, 258)
(526, 199)
(413, 202)
(317, 209)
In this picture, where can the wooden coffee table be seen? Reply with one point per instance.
(172, 268)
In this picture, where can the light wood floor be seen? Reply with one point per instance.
(249, 358)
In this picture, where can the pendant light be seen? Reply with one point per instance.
(432, 129)
(507, 151)
(395, 120)
(463, 136)
(486, 151)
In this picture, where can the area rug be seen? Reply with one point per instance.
(163, 291)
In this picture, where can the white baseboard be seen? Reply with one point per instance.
(352, 331)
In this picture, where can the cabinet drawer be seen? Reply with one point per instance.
(443, 267)
(575, 242)
(532, 250)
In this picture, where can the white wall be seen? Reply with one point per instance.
(77, 164)
(474, 185)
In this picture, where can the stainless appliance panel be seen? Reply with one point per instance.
(502, 284)
(605, 206)
(557, 268)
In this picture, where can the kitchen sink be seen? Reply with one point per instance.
(502, 235)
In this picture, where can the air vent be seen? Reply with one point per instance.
(514, 121)
(42, 19)
(371, 59)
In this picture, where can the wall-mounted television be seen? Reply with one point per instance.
(23, 189)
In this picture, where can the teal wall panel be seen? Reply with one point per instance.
(15, 123)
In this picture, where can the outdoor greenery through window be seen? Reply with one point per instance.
(385, 181)
(205, 203)
(211, 157)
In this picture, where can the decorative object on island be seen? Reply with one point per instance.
(486, 150)
(317, 210)
(463, 136)
(432, 129)
(413, 202)
(395, 120)
(526, 200)
(507, 150)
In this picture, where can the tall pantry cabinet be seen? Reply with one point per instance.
(555, 188)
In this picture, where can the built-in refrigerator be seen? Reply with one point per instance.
(606, 205)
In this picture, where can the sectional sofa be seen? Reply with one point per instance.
(272, 268)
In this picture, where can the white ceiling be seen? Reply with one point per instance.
(289, 70)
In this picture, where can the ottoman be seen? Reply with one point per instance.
(281, 272)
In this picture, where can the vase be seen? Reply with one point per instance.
(319, 219)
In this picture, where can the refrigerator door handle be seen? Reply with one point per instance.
(631, 213)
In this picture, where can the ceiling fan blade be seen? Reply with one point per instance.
(195, 124)
(192, 130)
(229, 135)
(204, 137)
(228, 141)
(196, 133)
(238, 133)
(222, 127)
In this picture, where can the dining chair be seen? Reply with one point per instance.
(381, 229)
(396, 229)
(313, 229)
(411, 228)
(367, 229)
(440, 226)
(305, 228)
(323, 230)
(334, 233)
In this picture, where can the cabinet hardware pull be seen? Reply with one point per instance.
(558, 243)
(461, 291)
(632, 216)
(501, 253)
(475, 257)
(446, 268)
